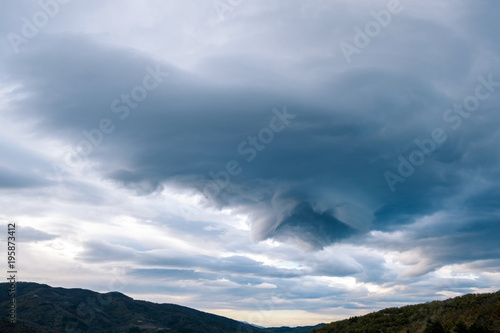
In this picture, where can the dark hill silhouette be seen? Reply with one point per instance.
(472, 313)
(44, 309)
(41, 308)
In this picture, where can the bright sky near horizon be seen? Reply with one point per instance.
(279, 162)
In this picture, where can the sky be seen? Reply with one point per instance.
(279, 162)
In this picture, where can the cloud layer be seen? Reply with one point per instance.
(309, 178)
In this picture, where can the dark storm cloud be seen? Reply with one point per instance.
(445, 240)
(326, 229)
(320, 180)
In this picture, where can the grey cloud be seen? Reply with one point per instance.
(234, 264)
(23, 168)
(98, 251)
(28, 234)
(450, 240)
(333, 153)
(172, 274)
(320, 181)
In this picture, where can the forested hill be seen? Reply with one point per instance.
(44, 309)
(472, 313)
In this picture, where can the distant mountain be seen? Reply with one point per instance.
(472, 313)
(44, 309)
(286, 329)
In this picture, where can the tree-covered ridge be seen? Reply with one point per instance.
(41, 308)
(44, 309)
(472, 313)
